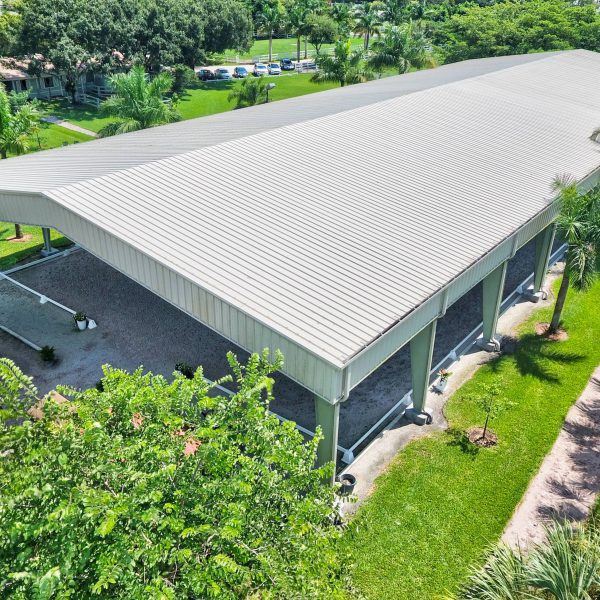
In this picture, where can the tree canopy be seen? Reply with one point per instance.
(157, 488)
(154, 33)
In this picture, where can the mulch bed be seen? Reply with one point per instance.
(560, 335)
(475, 437)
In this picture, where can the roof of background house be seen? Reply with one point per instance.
(390, 190)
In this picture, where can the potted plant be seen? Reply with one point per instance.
(347, 483)
(442, 382)
(80, 320)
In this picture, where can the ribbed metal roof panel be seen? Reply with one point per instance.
(392, 200)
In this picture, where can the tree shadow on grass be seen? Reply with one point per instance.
(459, 439)
(536, 355)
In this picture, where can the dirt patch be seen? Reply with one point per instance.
(475, 435)
(14, 240)
(543, 329)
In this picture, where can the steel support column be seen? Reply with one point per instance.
(543, 249)
(493, 287)
(421, 353)
(328, 417)
(47, 250)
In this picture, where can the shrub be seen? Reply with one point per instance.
(186, 370)
(154, 489)
(48, 354)
(183, 77)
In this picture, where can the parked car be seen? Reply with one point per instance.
(240, 72)
(287, 64)
(260, 69)
(206, 75)
(222, 73)
(274, 69)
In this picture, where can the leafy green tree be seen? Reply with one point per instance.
(393, 11)
(578, 224)
(491, 403)
(138, 102)
(154, 488)
(345, 66)
(564, 567)
(368, 20)
(321, 29)
(9, 26)
(19, 122)
(251, 91)
(518, 28)
(271, 18)
(402, 47)
(297, 15)
(342, 14)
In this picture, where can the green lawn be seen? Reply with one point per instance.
(204, 99)
(281, 46)
(209, 98)
(12, 252)
(439, 506)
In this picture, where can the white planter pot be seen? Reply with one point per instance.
(441, 385)
(81, 325)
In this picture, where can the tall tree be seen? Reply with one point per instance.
(402, 47)
(322, 29)
(345, 66)
(393, 11)
(271, 18)
(368, 20)
(297, 16)
(579, 225)
(342, 14)
(138, 102)
(18, 124)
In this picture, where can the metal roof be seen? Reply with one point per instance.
(333, 230)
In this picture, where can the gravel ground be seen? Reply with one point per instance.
(135, 327)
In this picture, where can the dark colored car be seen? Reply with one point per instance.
(287, 64)
(206, 75)
(240, 72)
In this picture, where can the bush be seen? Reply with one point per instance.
(153, 489)
(183, 77)
(48, 353)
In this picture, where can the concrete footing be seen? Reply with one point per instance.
(492, 345)
(418, 417)
(532, 296)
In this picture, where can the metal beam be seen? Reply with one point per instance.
(543, 248)
(48, 249)
(328, 418)
(421, 353)
(493, 286)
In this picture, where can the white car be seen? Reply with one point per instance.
(274, 69)
(223, 73)
(260, 69)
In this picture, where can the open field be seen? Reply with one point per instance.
(442, 503)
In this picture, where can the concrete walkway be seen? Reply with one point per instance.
(68, 125)
(379, 454)
(568, 481)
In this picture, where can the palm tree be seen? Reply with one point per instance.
(579, 225)
(138, 102)
(368, 20)
(270, 19)
(18, 124)
(565, 567)
(342, 14)
(297, 16)
(402, 47)
(344, 65)
(250, 92)
(393, 11)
